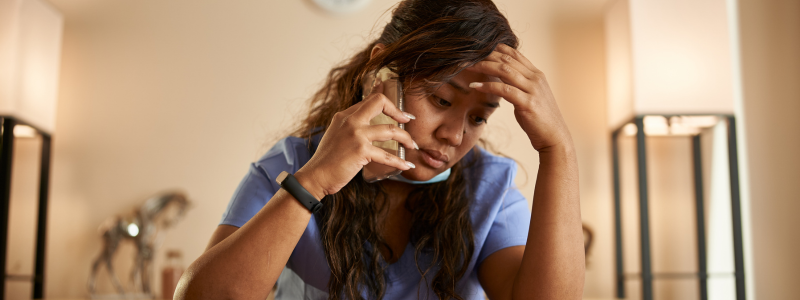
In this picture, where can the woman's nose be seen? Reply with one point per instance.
(451, 132)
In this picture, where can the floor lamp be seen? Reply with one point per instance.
(671, 64)
(30, 51)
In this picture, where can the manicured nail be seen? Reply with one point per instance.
(475, 85)
(410, 164)
(415, 146)
(410, 116)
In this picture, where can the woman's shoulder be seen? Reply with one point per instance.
(291, 152)
(490, 158)
(491, 168)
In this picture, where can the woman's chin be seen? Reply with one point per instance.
(419, 174)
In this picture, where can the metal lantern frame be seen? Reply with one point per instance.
(6, 160)
(647, 275)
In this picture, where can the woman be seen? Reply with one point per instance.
(435, 234)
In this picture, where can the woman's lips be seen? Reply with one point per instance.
(433, 158)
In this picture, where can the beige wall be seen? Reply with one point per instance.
(157, 95)
(770, 39)
(578, 81)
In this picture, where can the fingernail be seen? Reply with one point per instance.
(463, 64)
(415, 145)
(410, 116)
(410, 164)
(475, 85)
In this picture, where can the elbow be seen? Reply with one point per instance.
(193, 285)
(187, 288)
(182, 289)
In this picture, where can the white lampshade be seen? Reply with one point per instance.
(668, 57)
(30, 52)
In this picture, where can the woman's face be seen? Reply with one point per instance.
(449, 123)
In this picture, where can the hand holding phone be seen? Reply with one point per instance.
(359, 136)
(392, 89)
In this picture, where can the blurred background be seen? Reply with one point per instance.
(152, 96)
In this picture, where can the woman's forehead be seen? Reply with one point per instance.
(467, 76)
(461, 82)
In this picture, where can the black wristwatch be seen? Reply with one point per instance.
(290, 184)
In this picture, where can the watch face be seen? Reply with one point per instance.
(341, 6)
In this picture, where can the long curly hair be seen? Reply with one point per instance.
(426, 44)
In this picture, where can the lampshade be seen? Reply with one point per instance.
(30, 52)
(668, 57)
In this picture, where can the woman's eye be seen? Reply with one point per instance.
(479, 120)
(441, 101)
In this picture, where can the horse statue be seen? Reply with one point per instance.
(141, 227)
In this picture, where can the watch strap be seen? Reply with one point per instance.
(289, 183)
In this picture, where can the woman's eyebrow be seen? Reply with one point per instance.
(458, 87)
(492, 104)
(466, 91)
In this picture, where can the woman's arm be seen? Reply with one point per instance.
(554, 254)
(551, 265)
(221, 233)
(246, 264)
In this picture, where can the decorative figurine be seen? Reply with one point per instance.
(141, 227)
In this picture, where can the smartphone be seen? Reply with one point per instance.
(393, 89)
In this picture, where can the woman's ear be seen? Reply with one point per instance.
(376, 49)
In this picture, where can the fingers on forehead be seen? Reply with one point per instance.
(514, 53)
(502, 57)
(506, 49)
(503, 48)
(512, 58)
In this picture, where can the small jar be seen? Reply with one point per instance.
(171, 273)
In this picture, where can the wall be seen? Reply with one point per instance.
(770, 41)
(578, 82)
(157, 95)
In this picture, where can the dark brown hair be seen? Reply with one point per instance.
(427, 43)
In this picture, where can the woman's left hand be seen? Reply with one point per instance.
(526, 87)
(554, 268)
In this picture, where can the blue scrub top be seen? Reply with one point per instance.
(499, 212)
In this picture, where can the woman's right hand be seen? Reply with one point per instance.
(263, 245)
(346, 147)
